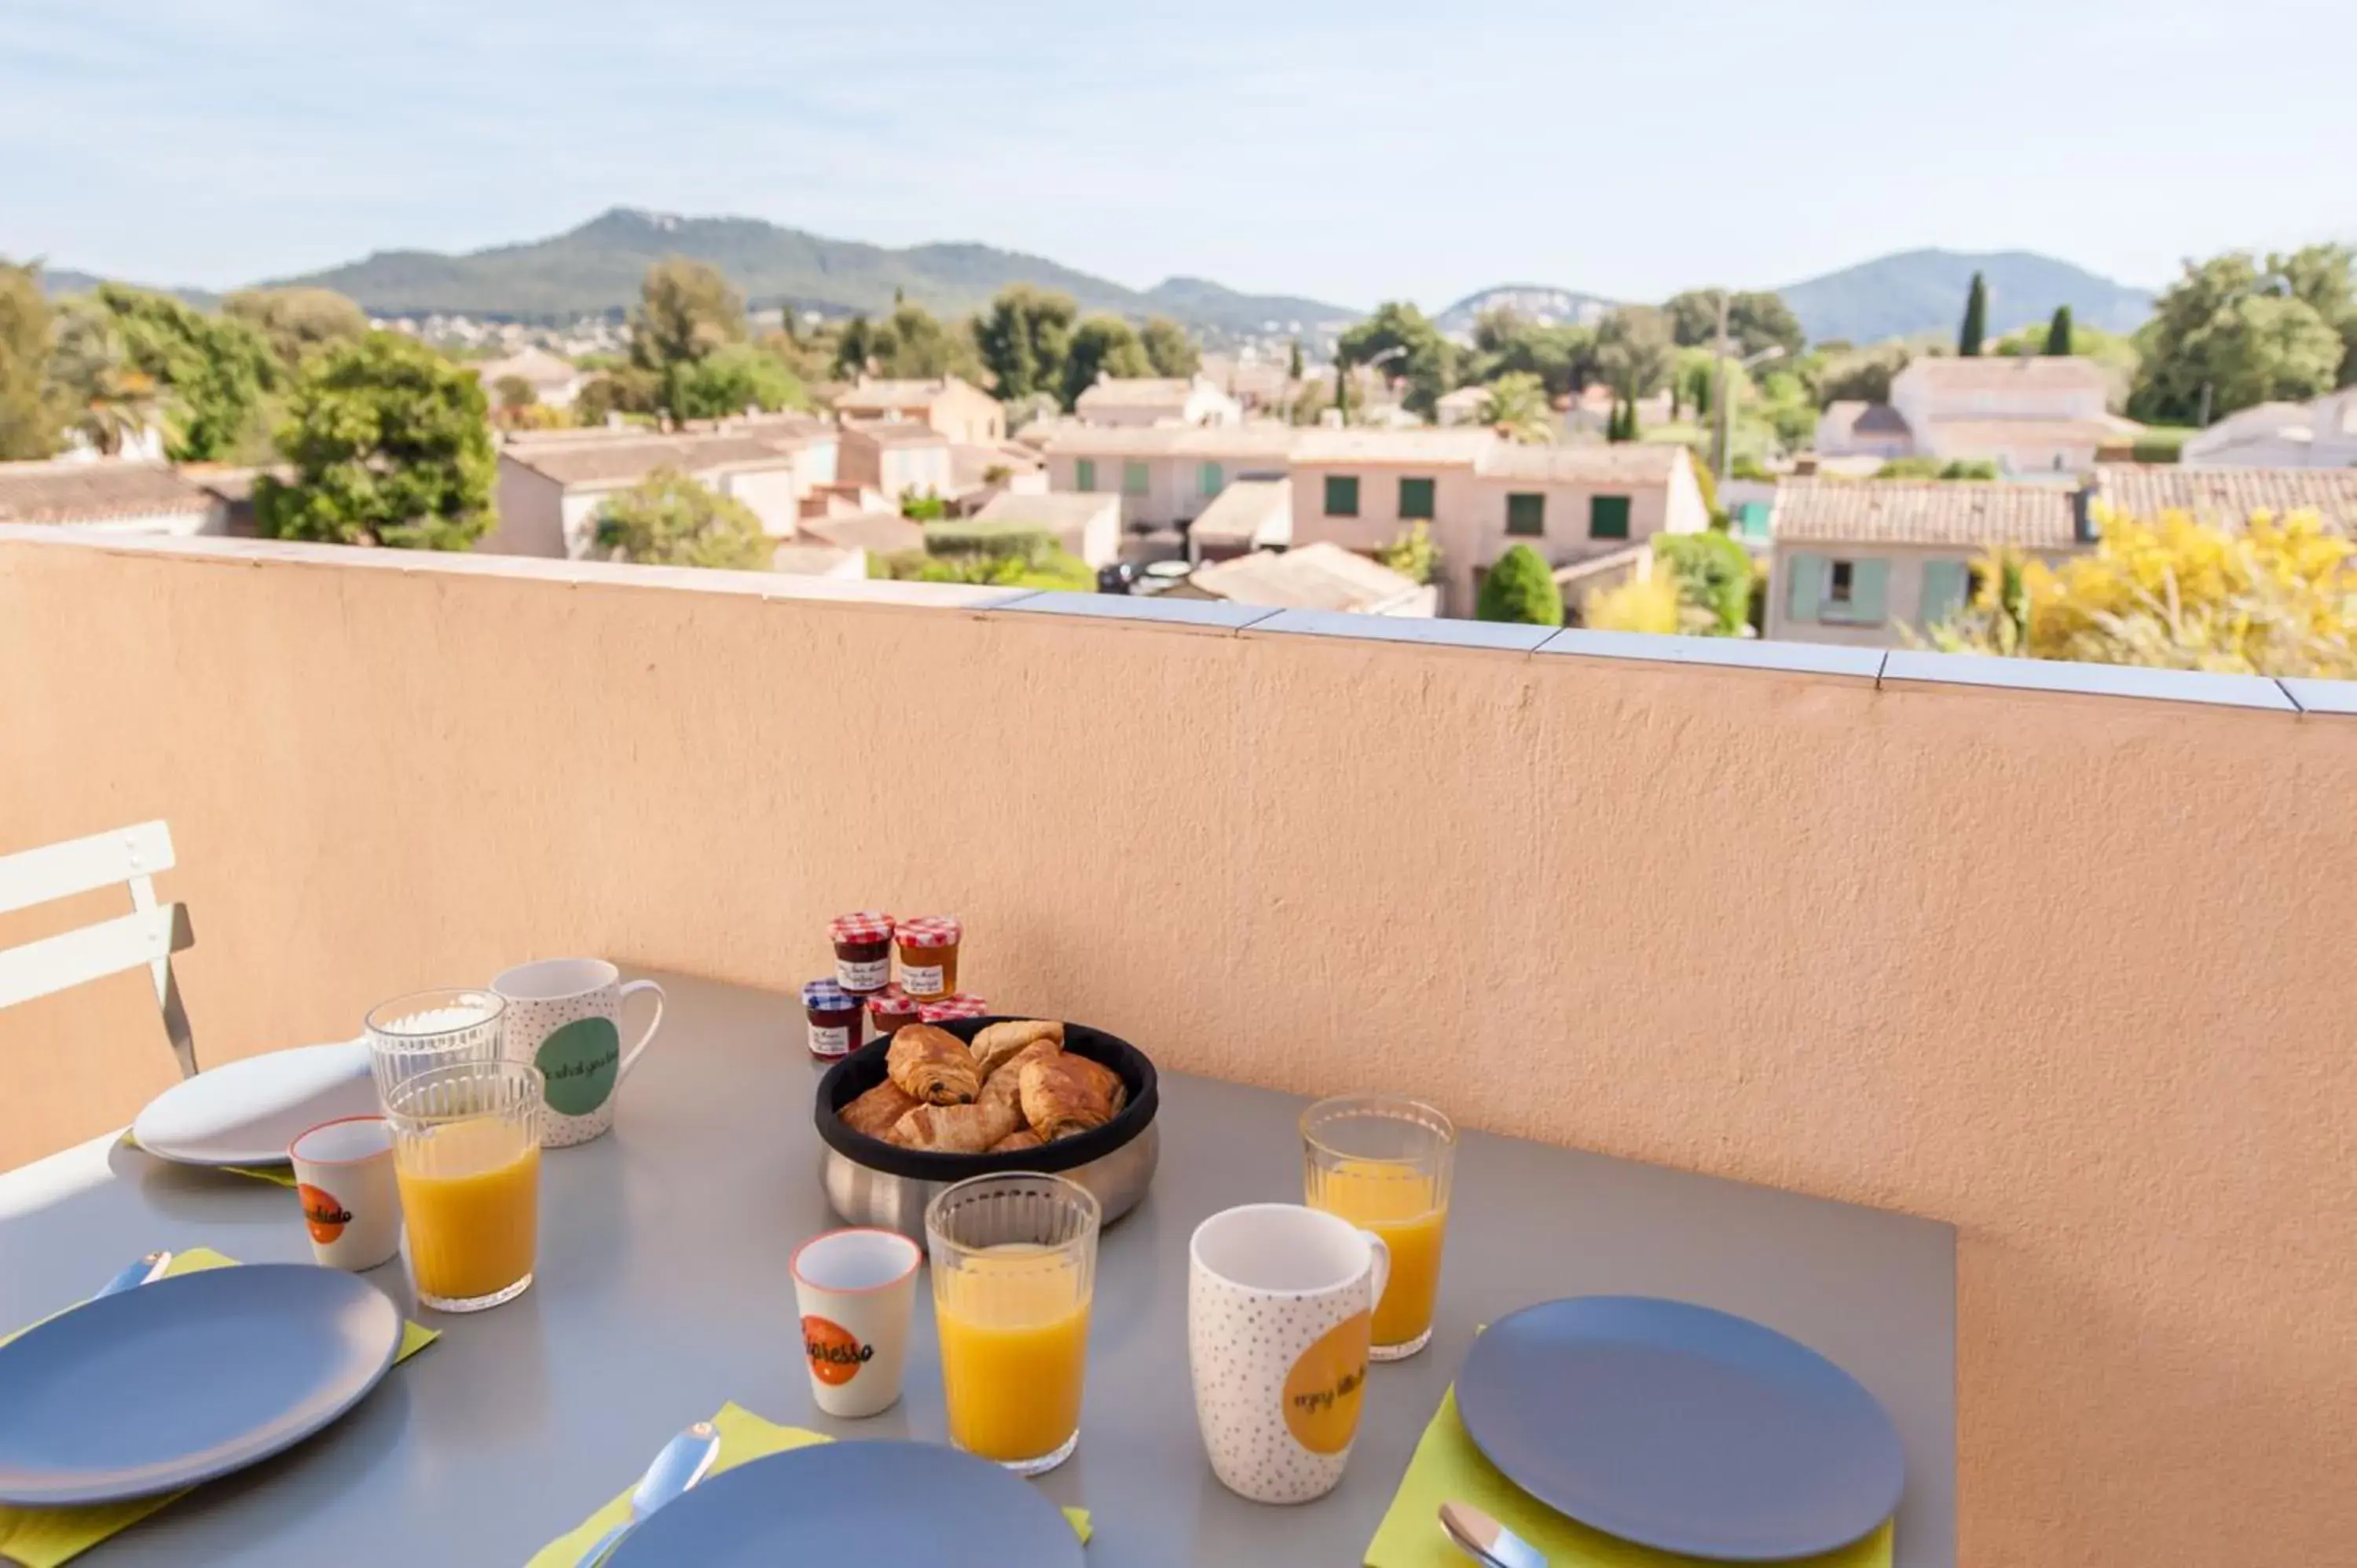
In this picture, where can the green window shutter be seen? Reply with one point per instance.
(1945, 585)
(1341, 495)
(1607, 517)
(1526, 515)
(1752, 517)
(1804, 580)
(1416, 499)
(1133, 478)
(1209, 481)
(1084, 474)
(1869, 587)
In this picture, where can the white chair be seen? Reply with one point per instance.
(150, 934)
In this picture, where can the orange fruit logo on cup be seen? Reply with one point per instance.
(322, 1213)
(835, 1353)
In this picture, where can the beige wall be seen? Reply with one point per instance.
(2070, 973)
(531, 507)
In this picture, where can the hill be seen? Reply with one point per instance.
(1536, 302)
(596, 268)
(1919, 291)
(59, 281)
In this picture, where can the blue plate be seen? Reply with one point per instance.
(1682, 1428)
(184, 1379)
(877, 1505)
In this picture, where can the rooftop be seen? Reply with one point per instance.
(606, 459)
(1056, 509)
(1251, 439)
(80, 490)
(894, 433)
(1610, 463)
(1434, 448)
(878, 532)
(1239, 513)
(1997, 432)
(871, 392)
(1320, 577)
(2228, 495)
(1923, 512)
(1136, 391)
(2006, 372)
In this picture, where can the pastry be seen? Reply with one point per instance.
(999, 1043)
(1005, 1086)
(955, 1128)
(932, 1066)
(1065, 1094)
(1015, 1143)
(874, 1111)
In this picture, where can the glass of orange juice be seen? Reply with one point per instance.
(1383, 1162)
(1015, 1264)
(466, 1154)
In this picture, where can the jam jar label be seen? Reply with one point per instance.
(864, 974)
(922, 980)
(827, 1041)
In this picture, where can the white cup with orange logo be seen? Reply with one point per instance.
(855, 1290)
(352, 1202)
(1280, 1311)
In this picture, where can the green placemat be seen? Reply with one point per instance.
(44, 1538)
(1448, 1469)
(743, 1436)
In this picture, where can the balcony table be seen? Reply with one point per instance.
(663, 1293)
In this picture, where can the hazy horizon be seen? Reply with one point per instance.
(1351, 156)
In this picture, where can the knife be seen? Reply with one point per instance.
(1486, 1541)
(150, 1267)
(686, 1460)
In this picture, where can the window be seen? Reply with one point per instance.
(1341, 495)
(1607, 517)
(1854, 592)
(1133, 478)
(1416, 499)
(1209, 480)
(1526, 515)
(1841, 581)
(1084, 474)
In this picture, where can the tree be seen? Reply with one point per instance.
(1025, 339)
(1756, 319)
(1413, 555)
(1713, 574)
(1169, 350)
(1417, 352)
(1634, 349)
(625, 390)
(1861, 375)
(390, 445)
(1103, 346)
(1516, 407)
(2277, 597)
(1976, 327)
(94, 388)
(2322, 275)
(1505, 343)
(213, 370)
(27, 426)
(299, 322)
(730, 380)
(686, 310)
(512, 391)
(2232, 332)
(2058, 334)
(669, 520)
(1520, 588)
(911, 343)
(1294, 365)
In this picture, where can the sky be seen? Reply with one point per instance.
(1350, 153)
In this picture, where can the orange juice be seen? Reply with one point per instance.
(1395, 1203)
(1014, 1325)
(471, 1194)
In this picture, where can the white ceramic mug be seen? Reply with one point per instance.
(1280, 1311)
(351, 1200)
(855, 1290)
(564, 1016)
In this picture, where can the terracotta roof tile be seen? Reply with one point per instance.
(73, 491)
(632, 456)
(1136, 391)
(1321, 576)
(1928, 512)
(1618, 463)
(2006, 372)
(2145, 491)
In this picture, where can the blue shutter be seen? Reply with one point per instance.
(1804, 580)
(1084, 474)
(1946, 584)
(1868, 588)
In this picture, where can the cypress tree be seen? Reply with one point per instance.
(1520, 589)
(1968, 341)
(2058, 331)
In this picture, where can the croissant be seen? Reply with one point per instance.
(934, 1066)
(955, 1128)
(1005, 1087)
(1067, 1094)
(999, 1043)
(874, 1111)
(1017, 1142)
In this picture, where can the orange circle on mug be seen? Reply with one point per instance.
(322, 1213)
(835, 1353)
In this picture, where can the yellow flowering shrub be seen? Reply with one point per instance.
(1637, 604)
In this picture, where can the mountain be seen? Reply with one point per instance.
(1532, 301)
(1201, 303)
(596, 268)
(1919, 291)
(59, 281)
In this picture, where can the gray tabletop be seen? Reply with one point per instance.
(662, 1293)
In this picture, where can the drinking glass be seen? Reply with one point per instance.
(1383, 1162)
(466, 1152)
(1015, 1263)
(430, 1029)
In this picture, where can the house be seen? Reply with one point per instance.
(961, 410)
(2226, 497)
(896, 459)
(876, 534)
(108, 496)
(1255, 383)
(1854, 561)
(1166, 475)
(2322, 434)
(1463, 406)
(1086, 525)
(554, 380)
(551, 483)
(1850, 428)
(1005, 468)
(1156, 400)
(826, 560)
(1314, 577)
(2027, 415)
(1249, 515)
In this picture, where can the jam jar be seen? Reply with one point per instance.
(834, 1014)
(929, 955)
(863, 951)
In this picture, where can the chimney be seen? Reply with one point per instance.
(2082, 512)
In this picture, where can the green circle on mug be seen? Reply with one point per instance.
(580, 1058)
